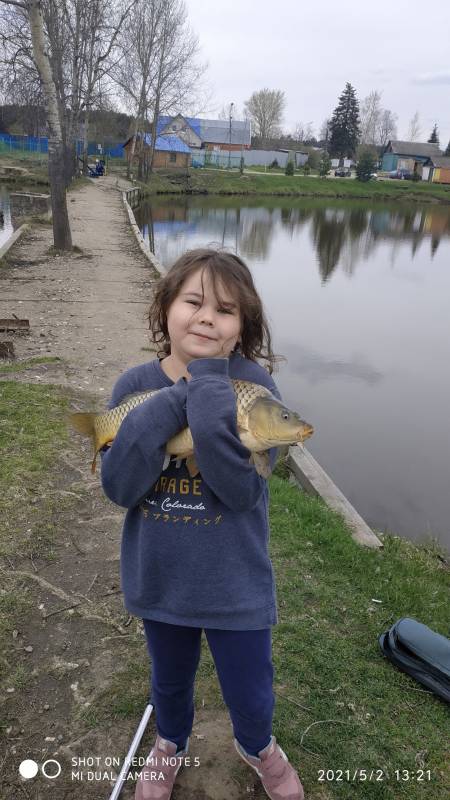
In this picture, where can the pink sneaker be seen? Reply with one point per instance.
(158, 776)
(278, 777)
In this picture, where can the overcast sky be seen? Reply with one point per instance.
(310, 50)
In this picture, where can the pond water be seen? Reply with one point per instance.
(358, 297)
(6, 227)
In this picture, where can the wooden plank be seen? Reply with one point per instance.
(314, 480)
(15, 324)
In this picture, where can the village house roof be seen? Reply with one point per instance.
(191, 121)
(413, 148)
(169, 142)
(440, 161)
(215, 131)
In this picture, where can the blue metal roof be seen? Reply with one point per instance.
(168, 142)
(192, 121)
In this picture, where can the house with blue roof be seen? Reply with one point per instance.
(170, 150)
(208, 134)
(179, 137)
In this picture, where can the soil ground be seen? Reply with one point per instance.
(87, 673)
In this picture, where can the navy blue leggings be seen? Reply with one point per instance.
(243, 662)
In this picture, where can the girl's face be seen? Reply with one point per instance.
(218, 323)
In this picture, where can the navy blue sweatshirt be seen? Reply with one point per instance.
(194, 550)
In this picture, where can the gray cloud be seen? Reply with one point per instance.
(433, 79)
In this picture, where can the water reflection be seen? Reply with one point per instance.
(343, 236)
(315, 368)
(357, 298)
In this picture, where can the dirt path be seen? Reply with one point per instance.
(87, 671)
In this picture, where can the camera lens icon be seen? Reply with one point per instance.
(50, 769)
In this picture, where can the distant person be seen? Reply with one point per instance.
(194, 550)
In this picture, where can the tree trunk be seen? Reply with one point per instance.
(56, 151)
(86, 141)
(153, 133)
(132, 149)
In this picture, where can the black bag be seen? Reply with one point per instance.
(419, 651)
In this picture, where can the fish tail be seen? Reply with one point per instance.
(84, 423)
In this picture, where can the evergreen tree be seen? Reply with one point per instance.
(325, 165)
(345, 125)
(289, 168)
(434, 136)
(366, 166)
(447, 152)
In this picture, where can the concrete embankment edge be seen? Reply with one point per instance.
(314, 480)
(140, 240)
(308, 473)
(13, 239)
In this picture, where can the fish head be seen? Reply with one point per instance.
(273, 423)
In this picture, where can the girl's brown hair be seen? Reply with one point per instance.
(230, 270)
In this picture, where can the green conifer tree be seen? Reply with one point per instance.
(365, 166)
(447, 152)
(345, 124)
(325, 165)
(434, 136)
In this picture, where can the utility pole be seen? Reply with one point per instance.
(229, 152)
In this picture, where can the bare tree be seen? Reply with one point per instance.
(302, 132)
(387, 127)
(370, 114)
(178, 72)
(133, 74)
(159, 72)
(61, 228)
(265, 108)
(415, 129)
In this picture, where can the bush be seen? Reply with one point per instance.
(365, 166)
(274, 164)
(289, 168)
(325, 165)
(306, 169)
(415, 176)
(241, 165)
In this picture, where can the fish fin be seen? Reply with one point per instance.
(262, 463)
(83, 423)
(166, 461)
(97, 450)
(192, 467)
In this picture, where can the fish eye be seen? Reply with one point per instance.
(285, 415)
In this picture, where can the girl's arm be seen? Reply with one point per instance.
(221, 457)
(133, 463)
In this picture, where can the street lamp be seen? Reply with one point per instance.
(229, 152)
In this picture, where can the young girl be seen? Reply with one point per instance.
(195, 549)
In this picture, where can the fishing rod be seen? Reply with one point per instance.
(131, 752)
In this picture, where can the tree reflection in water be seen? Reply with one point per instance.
(343, 234)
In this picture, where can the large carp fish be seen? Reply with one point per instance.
(263, 422)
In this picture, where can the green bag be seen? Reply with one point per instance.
(421, 652)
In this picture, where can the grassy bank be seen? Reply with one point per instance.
(340, 704)
(202, 181)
